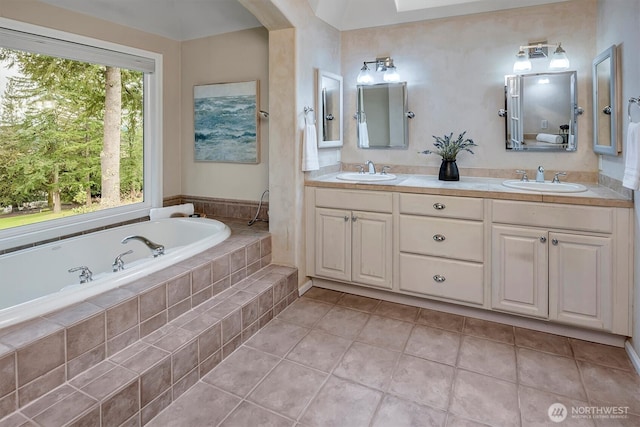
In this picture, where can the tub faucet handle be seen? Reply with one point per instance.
(85, 274)
(118, 263)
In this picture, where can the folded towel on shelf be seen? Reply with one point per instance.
(363, 134)
(549, 138)
(160, 213)
(631, 177)
(310, 148)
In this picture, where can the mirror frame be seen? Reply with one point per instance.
(406, 115)
(615, 147)
(320, 118)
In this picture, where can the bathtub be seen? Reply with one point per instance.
(36, 281)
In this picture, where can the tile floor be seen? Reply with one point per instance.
(335, 359)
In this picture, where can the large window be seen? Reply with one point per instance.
(79, 133)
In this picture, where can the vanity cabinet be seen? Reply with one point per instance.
(572, 273)
(353, 245)
(441, 247)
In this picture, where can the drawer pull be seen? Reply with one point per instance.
(554, 242)
(543, 239)
(439, 237)
(438, 278)
(438, 206)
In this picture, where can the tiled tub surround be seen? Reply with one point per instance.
(223, 208)
(149, 340)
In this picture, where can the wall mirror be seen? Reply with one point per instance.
(541, 112)
(329, 109)
(382, 115)
(605, 104)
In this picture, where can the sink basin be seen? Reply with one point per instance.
(547, 186)
(365, 177)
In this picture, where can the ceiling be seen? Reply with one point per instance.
(191, 19)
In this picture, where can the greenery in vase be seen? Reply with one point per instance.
(448, 148)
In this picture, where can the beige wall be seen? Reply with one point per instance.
(232, 57)
(618, 24)
(455, 69)
(34, 12)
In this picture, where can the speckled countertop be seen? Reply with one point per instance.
(596, 195)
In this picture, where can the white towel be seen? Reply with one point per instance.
(310, 149)
(631, 177)
(160, 213)
(550, 138)
(363, 134)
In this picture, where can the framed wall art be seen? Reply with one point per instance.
(226, 122)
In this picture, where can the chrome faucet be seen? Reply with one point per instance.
(540, 174)
(85, 274)
(156, 249)
(118, 263)
(372, 167)
(556, 180)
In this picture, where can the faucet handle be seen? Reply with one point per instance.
(524, 178)
(384, 170)
(556, 180)
(361, 169)
(118, 263)
(85, 274)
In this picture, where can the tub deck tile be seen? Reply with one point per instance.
(76, 313)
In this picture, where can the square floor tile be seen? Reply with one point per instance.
(614, 386)
(248, 414)
(288, 389)
(534, 407)
(359, 303)
(343, 322)
(305, 312)
(614, 357)
(326, 295)
(278, 337)
(342, 403)
(550, 373)
(440, 319)
(396, 412)
(422, 381)
(387, 333)
(485, 399)
(240, 372)
(403, 312)
(319, 350)
(368, 365)
(488, 357)
(542, 341)
(456, 421)
(489, 330)
(434, 344)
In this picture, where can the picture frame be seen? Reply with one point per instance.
(225, 118)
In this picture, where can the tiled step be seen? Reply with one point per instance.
(133, 385)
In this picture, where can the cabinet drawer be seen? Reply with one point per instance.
(463, 281)
(373, 201)
(441, 206)
(449, 238)
(569, 217)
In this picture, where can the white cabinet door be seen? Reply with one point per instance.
(333, 244)
(580, 280)
(372, 248)
(520, 270)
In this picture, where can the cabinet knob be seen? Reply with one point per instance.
(439, 278)
(438, 237)
(438, 206)
(543, 239)
(346, 218)
(354, 218)
(554, 242)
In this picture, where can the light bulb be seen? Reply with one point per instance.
(364, 77)
(522, 63)
(559, 60)
(391, 75)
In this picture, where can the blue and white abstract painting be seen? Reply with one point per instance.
(226, 122)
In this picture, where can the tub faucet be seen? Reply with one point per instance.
(372, 167)
(118, 263)
(540, 174)
(156, 249)
(85, 274)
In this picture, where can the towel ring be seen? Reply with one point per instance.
(308, 110)
(632, 101)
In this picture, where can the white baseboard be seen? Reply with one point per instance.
(633, 355)
(304, 288)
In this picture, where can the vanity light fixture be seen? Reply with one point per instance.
(384, 65)
(559, 60)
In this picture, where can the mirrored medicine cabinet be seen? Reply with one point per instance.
(541, 112)
(329, 99)
(382, 116)
(605, 103)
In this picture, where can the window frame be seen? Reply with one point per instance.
(28, 235)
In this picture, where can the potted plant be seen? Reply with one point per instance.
(448, 149)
